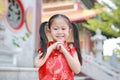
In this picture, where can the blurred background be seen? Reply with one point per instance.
(99, 28)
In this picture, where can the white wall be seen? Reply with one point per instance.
(25, 58)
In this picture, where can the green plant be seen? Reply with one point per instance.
(117, 52)
(108, 22)
(16, 42)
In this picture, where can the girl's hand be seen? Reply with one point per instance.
(38, 60)
(55, 45)
(61, 47)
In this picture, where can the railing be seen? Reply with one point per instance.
(98, 70)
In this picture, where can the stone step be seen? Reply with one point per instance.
(16, 73)
(82, 76)
(13, 73)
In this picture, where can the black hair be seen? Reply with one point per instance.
(76, 41)
(44, 39)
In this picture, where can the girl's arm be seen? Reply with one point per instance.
(38, 62)
(72, 60)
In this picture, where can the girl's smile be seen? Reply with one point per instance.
(59, 30)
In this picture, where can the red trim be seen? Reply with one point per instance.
(22, 9)
(78, 5)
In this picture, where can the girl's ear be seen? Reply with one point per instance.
(70, 37)
(48, 31)
(70, 30)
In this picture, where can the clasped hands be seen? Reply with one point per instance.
(59, 46)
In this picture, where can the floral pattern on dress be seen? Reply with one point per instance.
(56, 66)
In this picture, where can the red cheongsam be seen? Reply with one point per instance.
(56, 66)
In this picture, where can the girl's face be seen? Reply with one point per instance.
(60, 30)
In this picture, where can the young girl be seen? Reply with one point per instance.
(56, 59)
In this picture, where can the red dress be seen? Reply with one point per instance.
(56, 66)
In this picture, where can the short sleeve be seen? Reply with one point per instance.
(39, 50)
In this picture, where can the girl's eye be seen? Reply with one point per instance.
(63, 28)
(55, 28)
